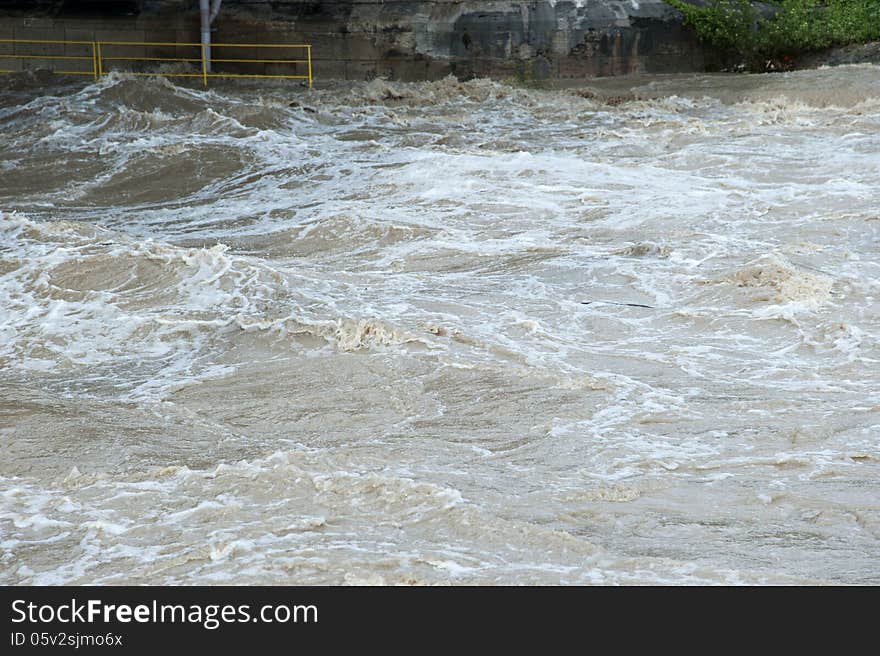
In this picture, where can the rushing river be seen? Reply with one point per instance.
(454, 333)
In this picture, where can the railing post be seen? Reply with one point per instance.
(309, 57)
(100, 66)
(205, 64)
(95, 60)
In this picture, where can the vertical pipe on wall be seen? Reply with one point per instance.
(205, 10)
(208, 11)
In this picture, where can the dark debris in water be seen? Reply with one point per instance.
(638, 305)
(305, 108)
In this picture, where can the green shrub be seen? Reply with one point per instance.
(743, 36)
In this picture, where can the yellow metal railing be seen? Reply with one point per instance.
(100, 53)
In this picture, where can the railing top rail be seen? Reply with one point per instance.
(262, 45)
(47, 41)
(183, 43)
(14, 56)
(147, 43)
(61, 42)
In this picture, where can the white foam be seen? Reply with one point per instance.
(543, 317)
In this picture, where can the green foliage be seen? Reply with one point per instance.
(744, 36)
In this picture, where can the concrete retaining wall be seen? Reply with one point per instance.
(405, 39)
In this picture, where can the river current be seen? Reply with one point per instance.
(442, 332)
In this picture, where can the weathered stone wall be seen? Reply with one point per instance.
(426, 38)
(403, 39)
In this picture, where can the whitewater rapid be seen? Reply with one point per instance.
(441, 333)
